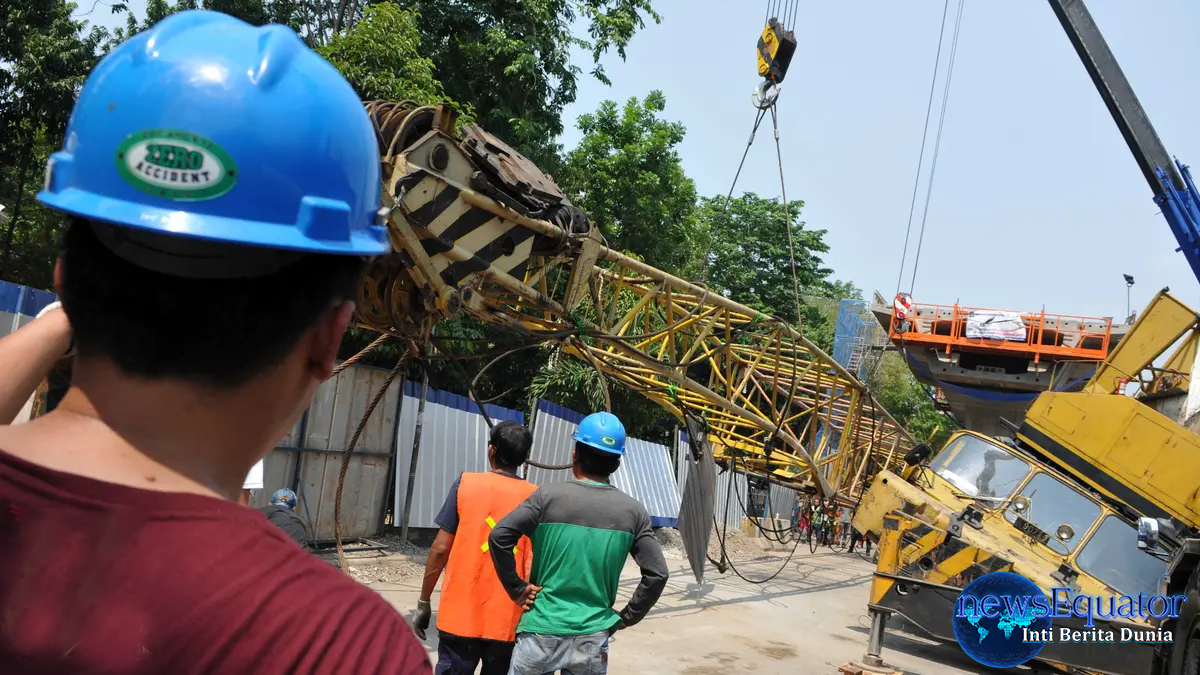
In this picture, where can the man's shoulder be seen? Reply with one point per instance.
(573, 501)
(303, 609)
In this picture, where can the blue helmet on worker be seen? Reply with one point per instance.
(214, 130)
(602, 431)
(285, 498)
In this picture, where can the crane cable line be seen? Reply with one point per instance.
(925, 136)
(765, 99)
(937, 144)
(783, 10)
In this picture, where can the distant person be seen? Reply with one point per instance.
(983, 483)
(477, 620)
(582, 532)
(281, 513)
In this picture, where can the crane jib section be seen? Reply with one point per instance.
(477, 229)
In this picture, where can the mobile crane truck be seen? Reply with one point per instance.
(1095, 491)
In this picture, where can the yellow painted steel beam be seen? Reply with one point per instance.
(762, 388)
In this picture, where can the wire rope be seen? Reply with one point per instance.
(924, 136)
(937, 145)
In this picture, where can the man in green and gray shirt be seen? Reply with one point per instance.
(582, 531)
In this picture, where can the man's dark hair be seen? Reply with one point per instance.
(512, 442)
(594, 462)
(214, 332)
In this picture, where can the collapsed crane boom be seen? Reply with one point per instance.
(478, 229)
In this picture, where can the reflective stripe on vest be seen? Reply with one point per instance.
(473, 603)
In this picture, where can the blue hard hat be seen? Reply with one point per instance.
(206, 127)
(285, 498)
(602, 431)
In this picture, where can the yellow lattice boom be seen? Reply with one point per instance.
(478, 229)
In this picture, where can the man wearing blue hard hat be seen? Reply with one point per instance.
(222, 189)
(582, 530)
(281, 513)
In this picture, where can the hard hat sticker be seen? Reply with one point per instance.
(176, 165)
(608, 440)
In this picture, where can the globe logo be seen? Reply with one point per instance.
(993, 614)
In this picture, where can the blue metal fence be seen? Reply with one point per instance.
(19, 304)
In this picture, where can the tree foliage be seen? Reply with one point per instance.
(380, 57)
(909, 401)
(750, 261)
(627, 174)
(45, 56)
(512, 60)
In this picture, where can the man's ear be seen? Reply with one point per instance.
(325, 339)
(58, 276)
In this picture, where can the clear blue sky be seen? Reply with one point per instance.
(1037, 201)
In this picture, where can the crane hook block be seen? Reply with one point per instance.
(775, 49)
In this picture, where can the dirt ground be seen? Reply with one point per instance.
(808, 620)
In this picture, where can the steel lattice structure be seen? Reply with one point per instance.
(478, 229)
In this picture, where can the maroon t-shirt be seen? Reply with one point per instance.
(99, 578)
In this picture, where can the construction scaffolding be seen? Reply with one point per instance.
(858, 339)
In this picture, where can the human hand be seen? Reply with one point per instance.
(421, 618)
(525, 599)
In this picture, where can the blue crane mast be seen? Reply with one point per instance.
(1169, 179)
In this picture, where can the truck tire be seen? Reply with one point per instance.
(1185, 648)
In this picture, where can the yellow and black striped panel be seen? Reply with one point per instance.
(461, 239)
(933, 555)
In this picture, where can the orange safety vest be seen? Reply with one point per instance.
(474, 603)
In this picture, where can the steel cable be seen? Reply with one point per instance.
(937, 145)
(924, 136)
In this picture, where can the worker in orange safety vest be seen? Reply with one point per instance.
(476, 618)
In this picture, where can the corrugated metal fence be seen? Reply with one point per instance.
(553, 426)
(645, 474)
(454, 438)
(19, 304)
(308, 460)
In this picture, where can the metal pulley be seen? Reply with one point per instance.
(776, 46)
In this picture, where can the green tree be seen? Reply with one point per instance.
(909, 401)
(576, 385)
(512, 60)
(294, 13)
(380, 57)
(45, 56)
(627, 174)
(749, 260)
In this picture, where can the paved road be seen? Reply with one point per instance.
(808, 620)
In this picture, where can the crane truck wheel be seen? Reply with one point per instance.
(1184, 658)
